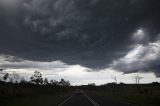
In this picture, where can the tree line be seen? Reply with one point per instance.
(36, 78)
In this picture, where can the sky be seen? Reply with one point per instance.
(83, 41)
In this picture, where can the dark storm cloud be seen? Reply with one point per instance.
(11, 62)
(91, 33)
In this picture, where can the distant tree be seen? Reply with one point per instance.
(91, 84)
(155, 83)
(112, 83)
(54, 82)
(45, 82)
(62, 82)
(122, 83)
(23, 81)
(51, 82)
(11, 80)
(3, 75)
(6, 76)
(1, 71)
(36, 78)
(16, 77)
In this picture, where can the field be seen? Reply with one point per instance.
(141, 95)
(31, 95)
(49, 95)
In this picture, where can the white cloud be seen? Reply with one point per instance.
(140, 58)
(76, 74)
(139, 36)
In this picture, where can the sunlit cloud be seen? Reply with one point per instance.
(142, 58)
(140, 36)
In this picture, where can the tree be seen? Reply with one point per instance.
(16, 77)
(1, 71)
(3, 75)
(91, 84)
(64, 83)
(6, 76)
(45, 82)
(53, 82)
(155, 83)
(23, 81)
(36, 78)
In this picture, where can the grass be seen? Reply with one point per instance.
(130, 94)
(42, 95)
(32, 95)
(41, 100)
(143, 100)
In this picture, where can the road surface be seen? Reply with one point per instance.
(81, 99)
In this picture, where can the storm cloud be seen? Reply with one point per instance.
(91, 33)
(143, 58)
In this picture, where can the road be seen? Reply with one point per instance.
(78, 100)
(108, 101)
(81, 99)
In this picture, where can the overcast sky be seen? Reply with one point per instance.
(83, 41)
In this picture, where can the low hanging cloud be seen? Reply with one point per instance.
(91, 33)
(10, 62)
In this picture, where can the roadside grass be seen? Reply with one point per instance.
(32, 95)
(142, 100)
(47, 95)
(41, 100)
(130, 95)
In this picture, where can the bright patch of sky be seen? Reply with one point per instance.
(78, 75)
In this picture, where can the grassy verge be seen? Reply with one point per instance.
(130, 95)
(32, 95)
(41, 100)
(142, 100)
